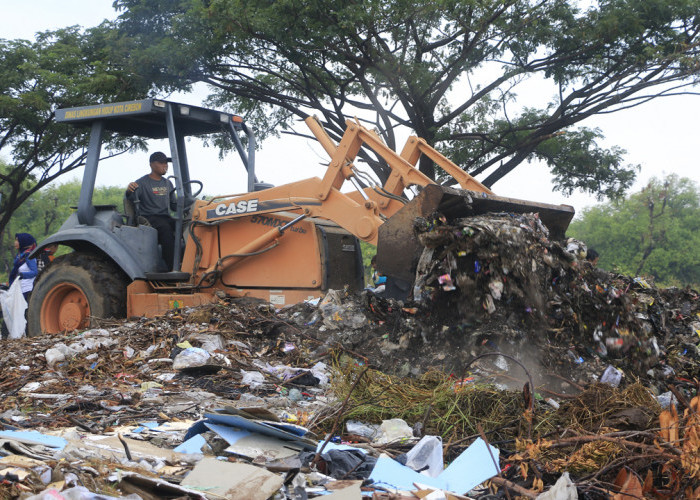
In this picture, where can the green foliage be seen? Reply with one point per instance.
(44, 212)
(368, 251)
(62, 68)
(655, 232)
(448, 70)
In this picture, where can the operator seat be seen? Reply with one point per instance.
(130, 214)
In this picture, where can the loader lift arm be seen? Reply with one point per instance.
(371, 213)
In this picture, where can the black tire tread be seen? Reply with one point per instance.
(107, 277)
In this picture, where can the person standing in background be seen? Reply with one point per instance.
(24, 268)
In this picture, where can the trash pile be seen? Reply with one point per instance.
(519, 370)
(496, 283)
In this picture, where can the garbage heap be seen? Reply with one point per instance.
(498, 283)
(503, 272)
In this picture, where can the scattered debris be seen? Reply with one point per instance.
(520, 369)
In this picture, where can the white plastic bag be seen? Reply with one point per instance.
(192, 357)
(426, 453)
(13, 307)
(252, 379)
(356, 428)
(392, 430)
(563, 489)
(611, 376)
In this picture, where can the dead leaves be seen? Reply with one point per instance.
(685, 435)
(690, 459)
(629, 485)
(668, 421)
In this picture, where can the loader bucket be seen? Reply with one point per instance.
(398, 248)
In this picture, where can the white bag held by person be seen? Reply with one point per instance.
(13, 307)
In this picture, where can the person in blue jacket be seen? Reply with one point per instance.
(23, 267)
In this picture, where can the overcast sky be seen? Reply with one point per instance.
(661, 136)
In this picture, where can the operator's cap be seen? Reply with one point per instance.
(160, 157)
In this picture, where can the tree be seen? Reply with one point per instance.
(43, 213)
(653, 232)
(446, 69)
(64, 68)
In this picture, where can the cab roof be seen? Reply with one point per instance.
(147, 118)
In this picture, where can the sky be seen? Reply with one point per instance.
(661, 136)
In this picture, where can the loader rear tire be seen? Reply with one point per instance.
(74, 289)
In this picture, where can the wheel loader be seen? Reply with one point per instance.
(283, 243)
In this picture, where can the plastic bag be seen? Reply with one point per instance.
(13, 307)
(611, 376)
(356, 428)
(394, 429)
(426, 456)
(337, 315)
(252, 379)
(192, 357)
(563, 489)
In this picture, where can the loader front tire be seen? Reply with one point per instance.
(74, 289)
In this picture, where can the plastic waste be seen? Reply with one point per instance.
(13, 307)
(426, 456)
(209, 343)
(191, 357)
(337, 315)
(563, 489)
(350, 464)
(502, 363)
(496, 288)
(295, 395)
(394, 429)
(665, 400)
(320, 371)
(576, 248)
(251, 399)
(54, 356)
(552, 403)
(145, 386)
(611, 376)
(356, 428)
(252, 379)
(58, 354)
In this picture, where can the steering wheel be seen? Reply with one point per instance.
(198, 183)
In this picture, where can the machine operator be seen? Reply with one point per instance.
(156, 197)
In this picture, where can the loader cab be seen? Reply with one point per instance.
(131, 245)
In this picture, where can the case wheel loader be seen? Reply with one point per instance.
(283, 244)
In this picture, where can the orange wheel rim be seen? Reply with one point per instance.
(65, 309)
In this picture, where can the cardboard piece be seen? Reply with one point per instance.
(110, 446)
(391, 475)
(471, 468)
(426, 494)
(150, 487)
(38, 451)
(21, 466)
(279, 429)
(252, 445)
(273, 429)
(352, 492)
(235, 481)
(34, 437)
(192, 446)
